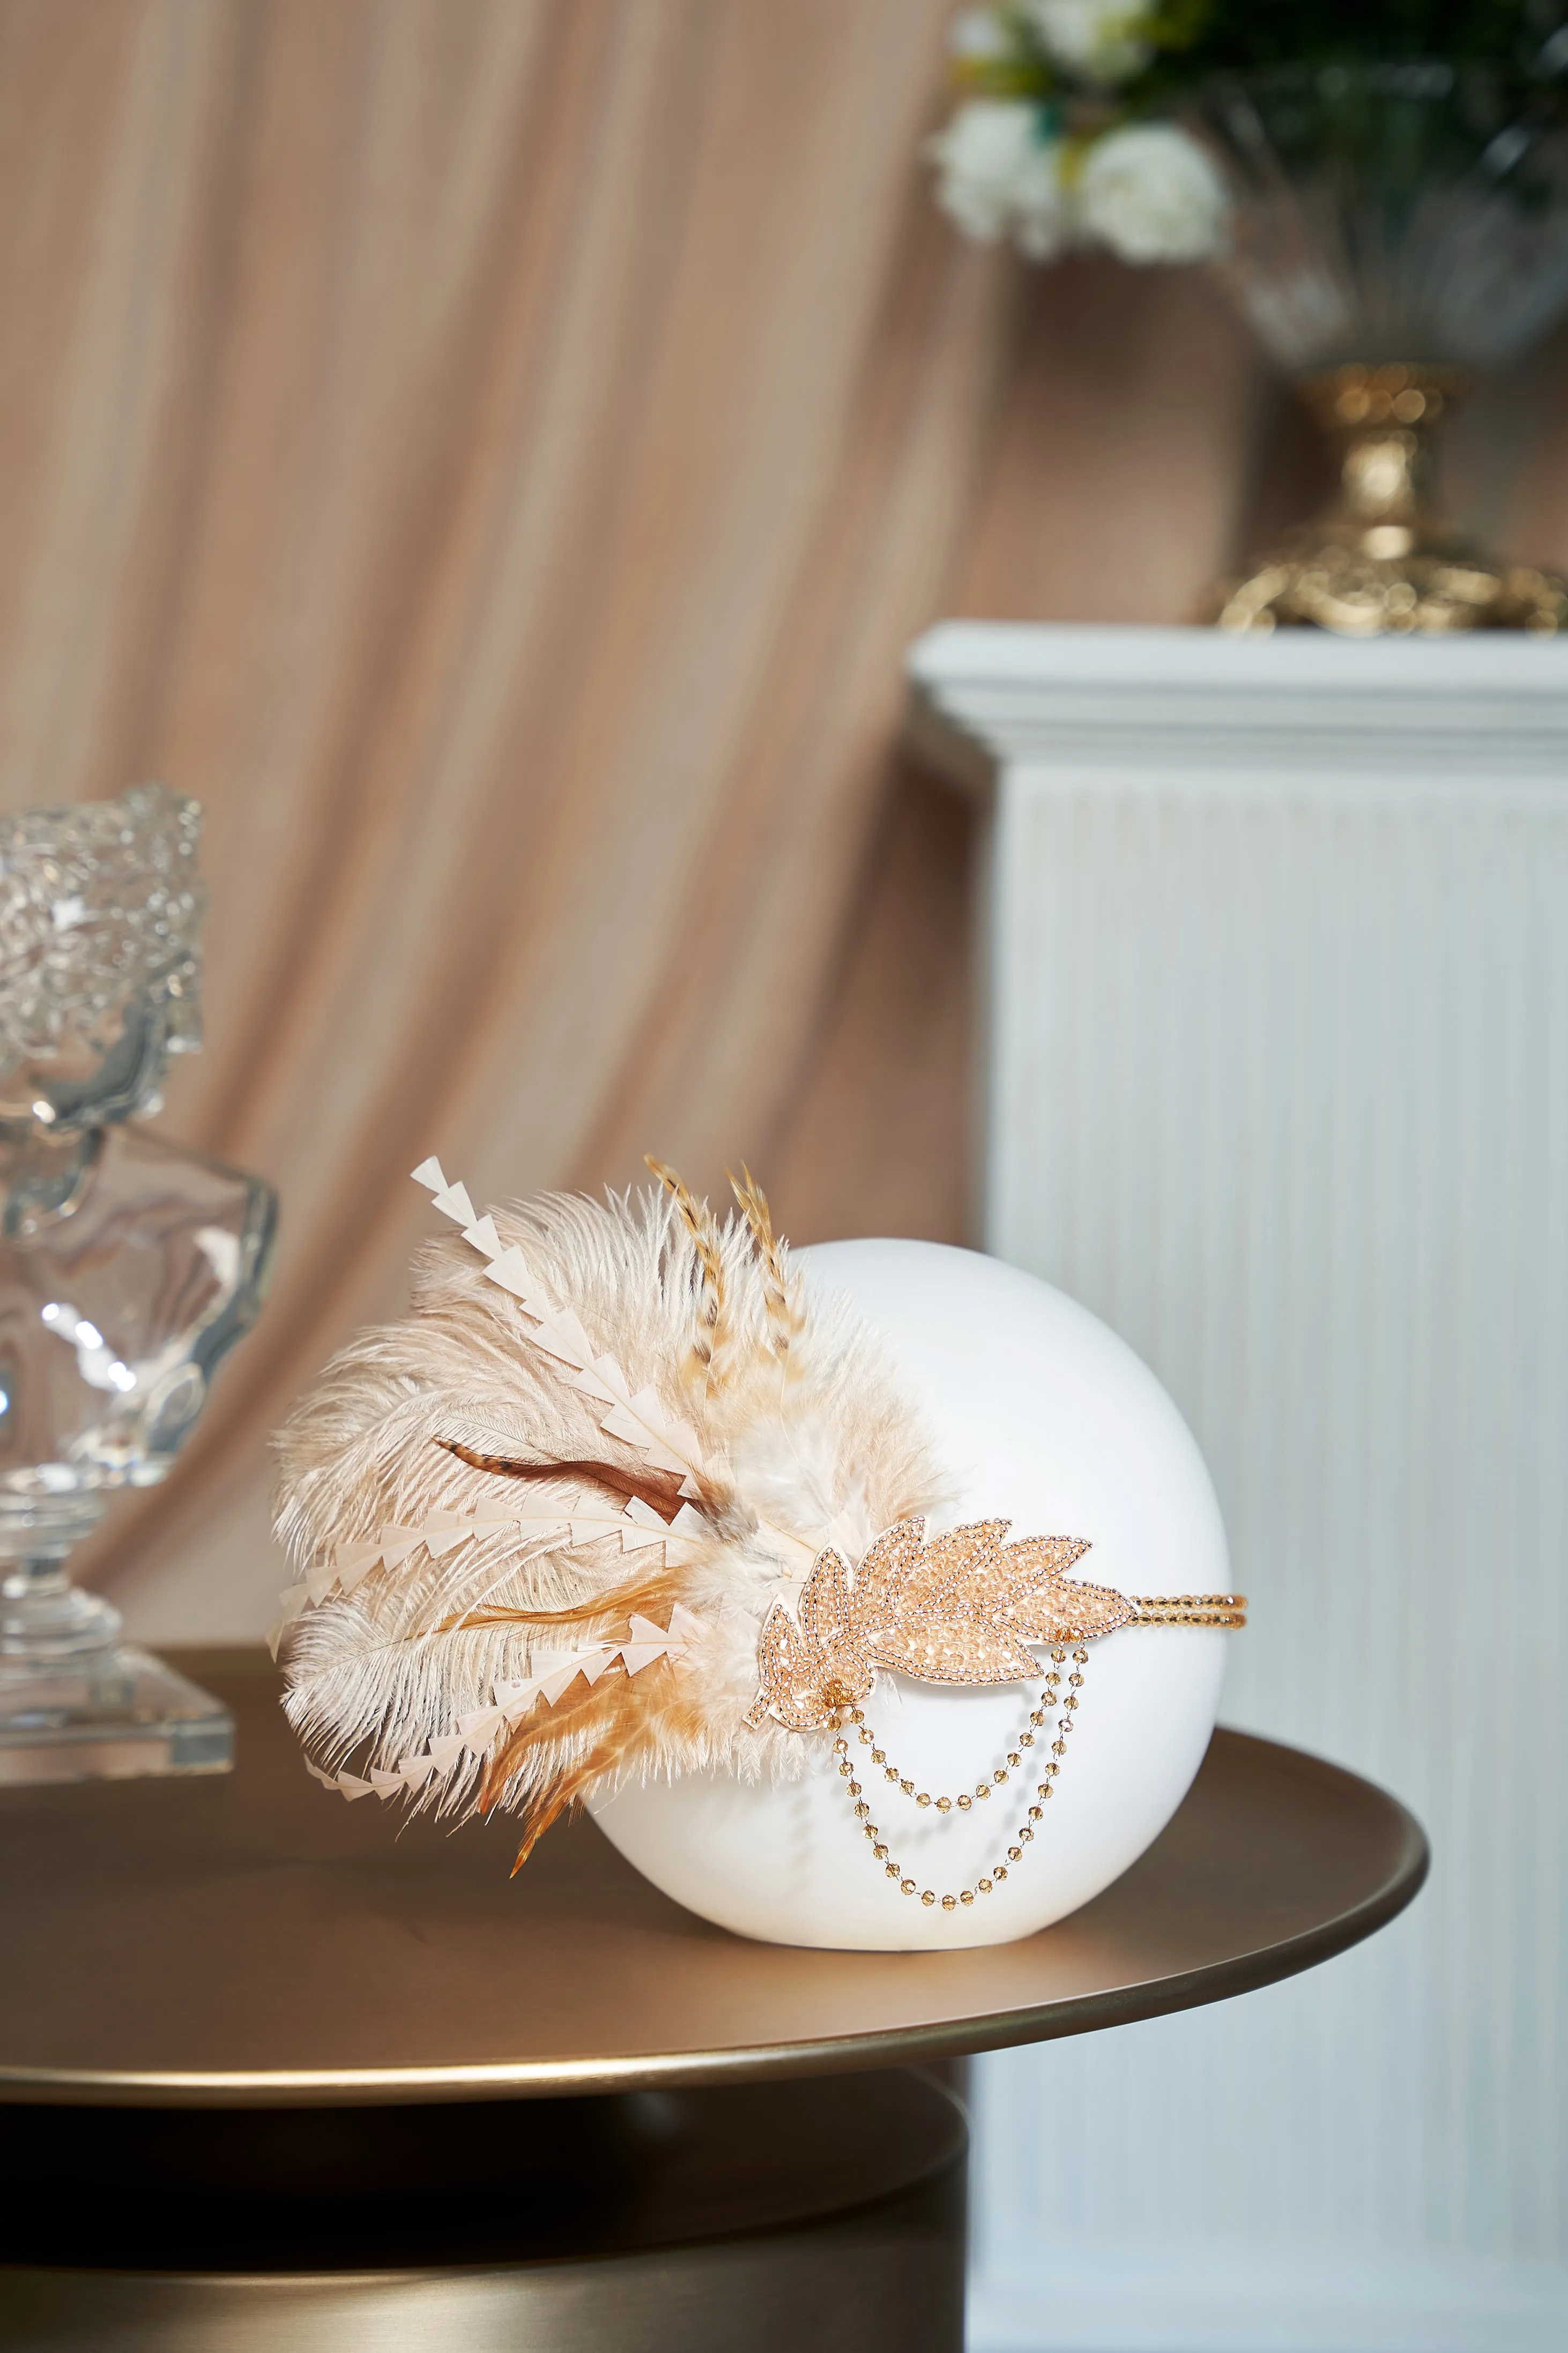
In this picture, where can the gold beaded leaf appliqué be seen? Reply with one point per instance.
(959, 1609)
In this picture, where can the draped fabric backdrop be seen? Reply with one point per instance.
(493, 453)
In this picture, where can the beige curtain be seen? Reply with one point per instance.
(494, 452)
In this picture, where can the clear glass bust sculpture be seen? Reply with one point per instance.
(129, 1267)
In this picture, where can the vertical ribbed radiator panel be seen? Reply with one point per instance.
(1278, 1086)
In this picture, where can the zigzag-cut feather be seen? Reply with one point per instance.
(543, 1519)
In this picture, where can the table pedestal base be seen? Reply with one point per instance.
(826, 2213)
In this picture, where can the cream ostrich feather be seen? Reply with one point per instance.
(539, 1525)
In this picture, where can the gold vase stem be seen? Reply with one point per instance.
(1381, 561)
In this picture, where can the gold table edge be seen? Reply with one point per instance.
(556, 2078)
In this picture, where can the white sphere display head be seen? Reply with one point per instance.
(869, 1597)
(101, 910)
(1045, 1418)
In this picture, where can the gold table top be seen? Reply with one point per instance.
(245, 1939)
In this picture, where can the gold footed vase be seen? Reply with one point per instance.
(1396, 230)
(1379, 560)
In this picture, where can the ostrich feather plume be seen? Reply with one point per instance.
(538, 1526)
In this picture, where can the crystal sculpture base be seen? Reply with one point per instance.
(108, 1715)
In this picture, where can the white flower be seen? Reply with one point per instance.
(980, 33)
(1042, 203)
(1100, 40)
(996, 176)
(1151, 193)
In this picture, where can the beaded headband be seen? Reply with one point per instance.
(617, 1499)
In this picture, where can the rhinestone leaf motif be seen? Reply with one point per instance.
(959, 1609)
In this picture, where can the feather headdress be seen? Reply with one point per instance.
(617, 1500)
(539, 1524)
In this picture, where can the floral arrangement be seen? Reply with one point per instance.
(1067, 134)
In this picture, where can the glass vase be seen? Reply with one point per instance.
(1394, 231)
(129, 1266)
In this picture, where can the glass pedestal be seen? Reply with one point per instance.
(76, 1702)
(108, 1715)
(128, 1269)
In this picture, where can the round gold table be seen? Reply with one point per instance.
(277, 2072)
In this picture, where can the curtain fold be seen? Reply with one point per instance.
(494, 454)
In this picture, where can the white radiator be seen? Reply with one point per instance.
(1277, 1083)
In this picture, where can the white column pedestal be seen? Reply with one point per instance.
(1277, 1083)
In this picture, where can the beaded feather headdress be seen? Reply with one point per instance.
(619, 1499)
